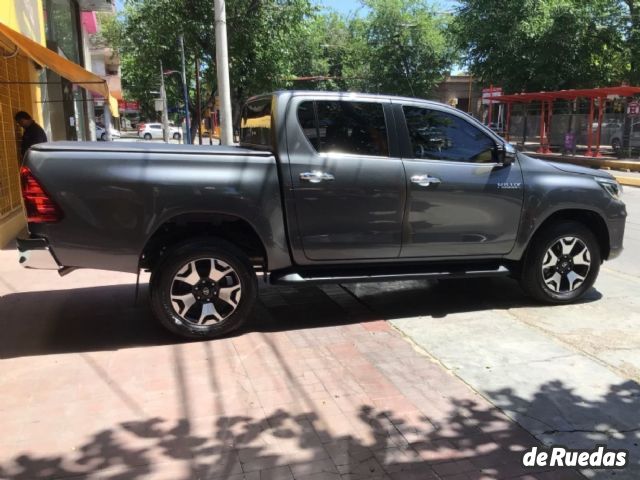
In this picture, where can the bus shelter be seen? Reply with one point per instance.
(597, 97)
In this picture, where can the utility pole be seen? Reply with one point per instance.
(165, 112)
(186, 93)
(222, 64)
(198, 105)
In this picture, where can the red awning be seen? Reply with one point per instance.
(622, 91)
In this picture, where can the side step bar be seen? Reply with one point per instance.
(311, 278)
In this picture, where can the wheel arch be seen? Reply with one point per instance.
(589, 218)
(181, 228)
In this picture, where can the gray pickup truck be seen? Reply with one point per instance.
(324, 187)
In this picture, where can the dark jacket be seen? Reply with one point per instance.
(32, 134)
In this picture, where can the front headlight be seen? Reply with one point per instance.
(612, 187)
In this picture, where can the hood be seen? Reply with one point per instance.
(571, 168)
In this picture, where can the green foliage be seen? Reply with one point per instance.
(399, 47)
(405, 50)
(260, 49)
(543, 44)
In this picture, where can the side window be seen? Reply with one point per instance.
(345, 127)
(307, 119)
(441, 136)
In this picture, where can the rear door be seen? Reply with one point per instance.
(460, 201)
(348, 185)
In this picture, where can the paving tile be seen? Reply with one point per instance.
(309, 391)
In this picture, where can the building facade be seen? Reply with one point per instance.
(56, 103)
(461, 91)
(18, 91)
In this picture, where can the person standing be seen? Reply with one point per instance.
(32, 132)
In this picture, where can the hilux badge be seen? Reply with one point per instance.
(509, 185)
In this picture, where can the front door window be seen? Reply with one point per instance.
(439, 135)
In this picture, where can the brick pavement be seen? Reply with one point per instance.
(315, 388)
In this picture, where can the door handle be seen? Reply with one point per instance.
(316, 176)
(425, 180)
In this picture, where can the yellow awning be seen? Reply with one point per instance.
(256, 122)
(63, 67)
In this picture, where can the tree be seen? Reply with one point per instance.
(404, 48)
(397, 47)
(260, 49)
(529, 45)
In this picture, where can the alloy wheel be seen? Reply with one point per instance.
(205, 291)
(566, 265)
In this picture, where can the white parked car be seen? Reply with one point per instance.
(101, 133)
(149, 131)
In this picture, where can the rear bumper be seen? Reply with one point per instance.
(35, 253)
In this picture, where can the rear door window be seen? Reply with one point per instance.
(334, 126)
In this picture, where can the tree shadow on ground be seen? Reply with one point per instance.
(470, 441)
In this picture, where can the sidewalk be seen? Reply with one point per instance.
(314, 388)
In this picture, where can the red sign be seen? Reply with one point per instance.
(488, 93)
(124, 105)
(633, 109)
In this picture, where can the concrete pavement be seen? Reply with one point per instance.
(569, 374)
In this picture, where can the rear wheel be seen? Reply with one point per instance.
(204, 289)
(562, 264)
(176, 136)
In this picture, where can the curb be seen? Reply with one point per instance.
(617, 168)
(627, 181)
(625, 165)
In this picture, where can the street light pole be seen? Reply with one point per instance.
(165, 113)
(222, 61)
(186, 93)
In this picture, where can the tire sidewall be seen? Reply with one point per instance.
(164, 274)
(549, 239)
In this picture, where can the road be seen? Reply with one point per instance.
(570, 375)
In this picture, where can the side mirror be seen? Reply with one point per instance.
(505, 154)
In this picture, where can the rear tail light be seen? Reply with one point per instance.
(39, 205)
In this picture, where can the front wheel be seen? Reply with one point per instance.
(204, 289)
(176, 136)
(147, 136)
(562, 264)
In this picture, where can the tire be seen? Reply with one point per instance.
(103, 137)
(565, 278)
(176, 136)
(147, 136)
(174, 278)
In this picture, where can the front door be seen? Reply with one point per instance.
(460, 202)
(349, 191)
